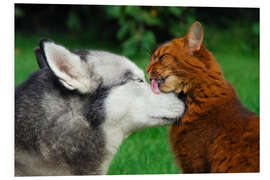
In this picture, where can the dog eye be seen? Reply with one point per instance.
(138, 80)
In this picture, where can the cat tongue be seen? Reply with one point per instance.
(154, 86)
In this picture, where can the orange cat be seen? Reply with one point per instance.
(217, 133)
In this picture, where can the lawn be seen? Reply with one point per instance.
(147, 151)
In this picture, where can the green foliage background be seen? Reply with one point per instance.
(232, 34)
(138, 29)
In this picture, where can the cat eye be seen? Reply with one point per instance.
(162, 56)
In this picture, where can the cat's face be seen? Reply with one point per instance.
(182, 64)
(170, 68)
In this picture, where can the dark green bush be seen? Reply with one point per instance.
(136, 30)
(140, 28)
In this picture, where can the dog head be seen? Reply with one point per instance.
(130, 104)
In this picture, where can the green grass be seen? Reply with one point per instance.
(243, 73)
(148, 151)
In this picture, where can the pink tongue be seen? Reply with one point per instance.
(155, 87)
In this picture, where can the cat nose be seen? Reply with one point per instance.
(161, 80)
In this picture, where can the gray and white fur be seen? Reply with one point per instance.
(74, 112)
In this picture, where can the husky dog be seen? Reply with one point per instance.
(74, 112)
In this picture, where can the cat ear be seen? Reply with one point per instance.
(73, 72)
(195, 36)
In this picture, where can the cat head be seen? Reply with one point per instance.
(183, 64)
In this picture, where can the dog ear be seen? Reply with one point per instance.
(40, 58)
(195, 36)
(73, 72)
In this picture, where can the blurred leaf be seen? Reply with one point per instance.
(149, 20)
(123, 31)
(131, 51)
(113, 11)
(73, 22)
(190, 20)
(256, 28)
(18, 12)
(130, 46)
(175, 11)
(175, 30)
(148, 39)
(153, 12)
(133, 10)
